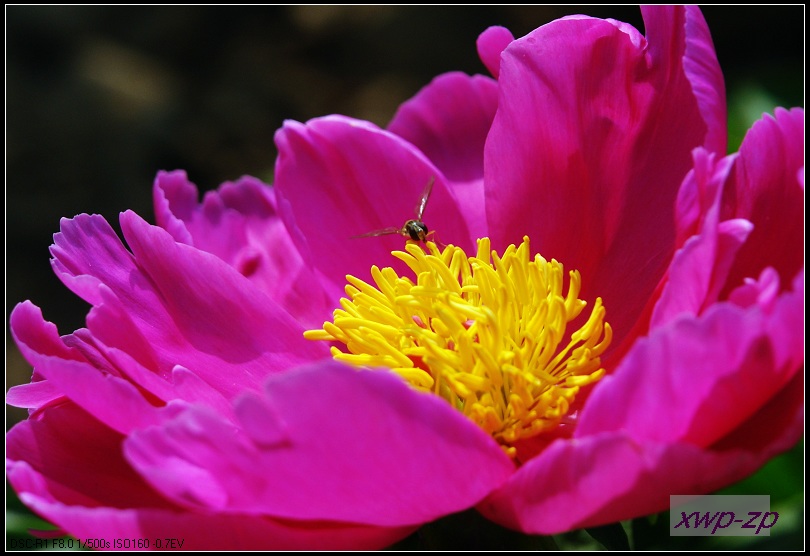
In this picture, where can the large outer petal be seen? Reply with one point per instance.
(337, 178)
(239, 224)
(449, 121)
(699, 404)
(173, 531)
(326, 443)
(592, 138)
(70, 470)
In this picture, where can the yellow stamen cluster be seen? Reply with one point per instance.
(485, 333)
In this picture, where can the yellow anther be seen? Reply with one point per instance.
(486, 333)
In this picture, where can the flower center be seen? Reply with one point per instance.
(486, 333)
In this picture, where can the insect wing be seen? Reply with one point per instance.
(420, 208)
(382, 232)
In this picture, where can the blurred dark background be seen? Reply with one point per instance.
(98, 99)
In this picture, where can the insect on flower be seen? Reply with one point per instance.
(413, 229)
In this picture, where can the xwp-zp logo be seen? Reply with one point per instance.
(691, 516)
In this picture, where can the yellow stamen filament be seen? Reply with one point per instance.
(486, 333)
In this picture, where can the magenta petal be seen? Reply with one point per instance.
(167, 530)
(591, 141)
(448, 121)
(191, 388)
(611, 477)
(33, 395)
(69, 470)
(189, 307)
(698, 195)
(218, 325)
(110, 399)
(674, 30)
(239, 224)
(700, 267)
(114, 343)
(732, 235)
(215, 225)
(699, 270)
(337, 178)
(571, 484)
(774, 429)
(608, 477)
(175, 199)
(490, 44)
(68, 456)
(763, 291)
(113, 401)
(41, 336)
(765, 190)
(714, 372)
(86, 253)
(343, 445)
(222, 221)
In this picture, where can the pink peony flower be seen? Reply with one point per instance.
(192, 406)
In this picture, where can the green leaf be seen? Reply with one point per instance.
(612, 537)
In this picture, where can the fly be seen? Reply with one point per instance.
(413, 229)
